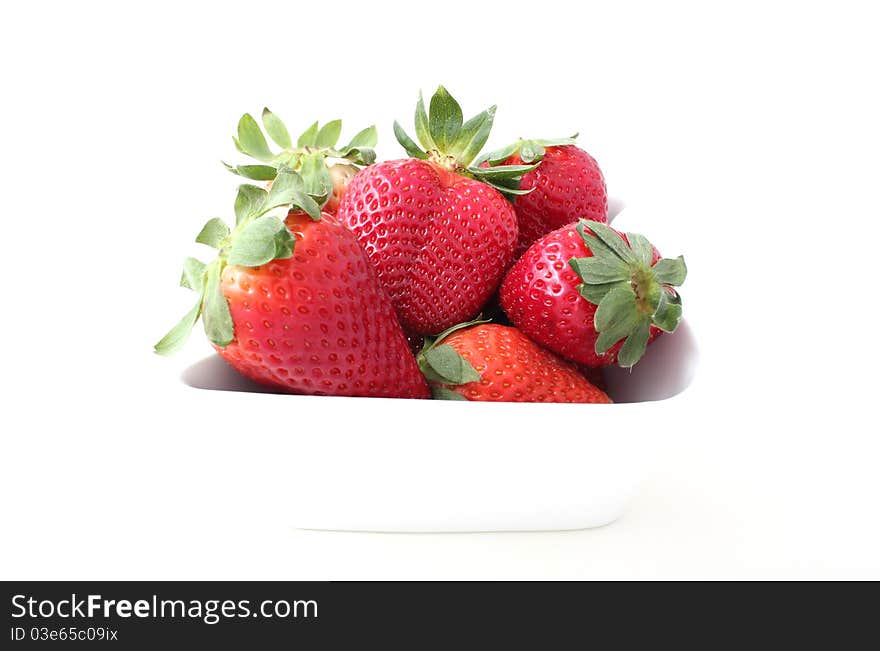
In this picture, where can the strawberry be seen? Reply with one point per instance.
(593, 295)
(567, 185)
(325, 168)
(295, 304)
(438, 231)
(482, 361)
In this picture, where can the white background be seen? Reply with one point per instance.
(745, 137)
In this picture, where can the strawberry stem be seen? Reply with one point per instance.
(313, 145)
(450, 142)
(631, 292)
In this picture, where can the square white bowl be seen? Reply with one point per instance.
(379, 464)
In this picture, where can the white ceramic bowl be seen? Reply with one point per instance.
(375, 464)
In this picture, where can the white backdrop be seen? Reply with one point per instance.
(746, 138)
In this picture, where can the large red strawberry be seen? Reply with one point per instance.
(438, 231)
(482, 361)
(295, 305)
(593, 295)
(325, 168)
(567, 185)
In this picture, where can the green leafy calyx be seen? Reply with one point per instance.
(449, 141)
(314, 151)
(442, 366)
(631, 293)
(257, 238)
(529, 151)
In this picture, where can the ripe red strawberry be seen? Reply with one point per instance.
(325, 168)
(295, 305)
(567, 185)
(495, 363)
(439, 233)
(593, 295)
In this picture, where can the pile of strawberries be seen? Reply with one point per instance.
(443, 275)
